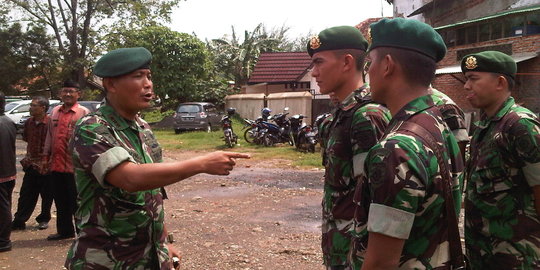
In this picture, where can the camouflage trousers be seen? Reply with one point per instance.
(336, 243)
(497, 254)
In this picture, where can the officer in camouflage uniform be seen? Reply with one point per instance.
(502, 201)
(402, 205)
(354, 127)
(118, 174)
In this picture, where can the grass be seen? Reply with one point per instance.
(212, 141)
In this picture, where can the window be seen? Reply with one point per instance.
(496, 30)
(532, 24)
(514, 26)
(461, 36)
(472, 32)
(484, 30)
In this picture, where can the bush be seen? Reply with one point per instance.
(155, 115)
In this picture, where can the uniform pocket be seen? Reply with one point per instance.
(492, 179)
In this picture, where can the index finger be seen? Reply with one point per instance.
(237, 155)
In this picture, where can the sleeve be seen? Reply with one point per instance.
(367, 127)
(524, 139)
(97, 151)
(395, 176)
(454, 117)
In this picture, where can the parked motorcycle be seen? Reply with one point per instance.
(255, 129)
(278, 132)
(229, 136)
(304, 136)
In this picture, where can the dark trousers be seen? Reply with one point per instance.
(65, 200)
(6, 189)
(33, 185)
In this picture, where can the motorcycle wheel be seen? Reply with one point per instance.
(267, 140)
(248, 135)
(229, 141)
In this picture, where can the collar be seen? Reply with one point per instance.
(415, 106)
(117, 121)
(505, 107)
(42, 121)
(350, 101)
(72, 108)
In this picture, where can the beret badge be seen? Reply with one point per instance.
(369, 35)
(315, 43)
(470, 62)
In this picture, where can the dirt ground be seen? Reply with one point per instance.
(261, 216)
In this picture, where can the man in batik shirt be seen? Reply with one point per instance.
(354, 127)
(119, 174)
(502, 201)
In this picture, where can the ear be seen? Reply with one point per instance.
(502, 83)
(389, 65)
(348, 62)
(108, 83)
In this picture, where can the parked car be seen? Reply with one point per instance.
(196, 116)
(19, 109)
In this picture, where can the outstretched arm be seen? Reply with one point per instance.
(136, 177)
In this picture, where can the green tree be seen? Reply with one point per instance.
(79, 25)
(236, 58)
(181, 65)
(27, 59)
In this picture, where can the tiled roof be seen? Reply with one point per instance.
(364, 25)
(280, 67)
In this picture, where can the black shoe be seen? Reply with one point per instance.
(43, 225)
(57, 236)
(18, 226)
(5, 248)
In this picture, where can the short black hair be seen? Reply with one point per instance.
(42, 101)
(418, 69)
(2, 103)
(511, 82)
(358, 55)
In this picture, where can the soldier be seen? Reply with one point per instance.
(119, 174)
(502, 201)
(354, 127)
(406, 196)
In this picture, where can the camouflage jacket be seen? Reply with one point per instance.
(453, 116)
(502, 228)
(403, 191)
(118, 229)
(354, 127)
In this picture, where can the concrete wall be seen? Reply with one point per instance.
(298, 103)
(247, 105)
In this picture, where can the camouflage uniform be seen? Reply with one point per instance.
(351, 131)
(402, 188)
(118, 229)
(452, 115)
(502, 228)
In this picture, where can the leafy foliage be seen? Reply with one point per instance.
(79, 25)
(181, 66)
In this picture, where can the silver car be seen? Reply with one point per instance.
(196, 116)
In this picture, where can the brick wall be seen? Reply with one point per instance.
(527, 91)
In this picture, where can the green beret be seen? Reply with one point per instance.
(337, 38)
(407, 34)
(489, 61)
(122, 61)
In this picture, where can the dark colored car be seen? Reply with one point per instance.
(196, 116)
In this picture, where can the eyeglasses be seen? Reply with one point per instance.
(69, 91)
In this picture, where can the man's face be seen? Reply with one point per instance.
(481, 89)
(373, 67)
(327, 71)
(36, 109)
(133, 92)
(69, 95)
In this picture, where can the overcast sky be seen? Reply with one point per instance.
(213, 18)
